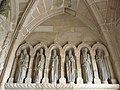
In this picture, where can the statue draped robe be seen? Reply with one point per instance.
(102, 68)
(54, 69)
(70, 68)
(22, 68)
(87, 72)
(39, 66)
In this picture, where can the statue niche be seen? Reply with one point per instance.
(87, 72)
(102, 69)
(22, 66)
(39, 66)
(70, 66)
(54, 66)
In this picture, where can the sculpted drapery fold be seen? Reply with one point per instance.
(22, 67)
(86, 66)
(70, 68)
(39, 66)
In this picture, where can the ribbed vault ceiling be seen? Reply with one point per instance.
(109, 9)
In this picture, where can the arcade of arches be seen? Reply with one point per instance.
(59, 44)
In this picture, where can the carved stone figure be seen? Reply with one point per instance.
(86, 66)
(57, 3)
(39, 66)
(22, 67)
(103, 74)
(1, 65)
(70, 67)
(68, 3)
(54, 67)
(4, 8)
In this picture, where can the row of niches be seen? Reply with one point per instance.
(56, 64)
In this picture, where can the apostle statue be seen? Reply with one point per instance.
(22, 67)
(4, 8)
(86, 66)
(103, 74)
(70, 67)
(57, 3)
(39, 66)
(54, 67)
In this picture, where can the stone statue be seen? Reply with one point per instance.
(57, 3)
(1, 65)
(54, 67)
(68, 3)
(4, 8)
(103, 74)
(70, 67)
(86, 66)
(22, 67)
(39, 66)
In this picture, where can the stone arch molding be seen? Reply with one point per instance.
(41, 11)
(62, 79)
(38, 46)
(24, 46)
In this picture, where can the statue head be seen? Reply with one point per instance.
(38, 53)
(70, 52)
(99, 51)
(25, 51)
(54, 52)
(41, 51)
(84, 50)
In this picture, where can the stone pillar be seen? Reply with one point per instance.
(95, 70)
(46, 71)
(28, 79)
(109, 68)
(79, 72)
(11, 79)
(62, 78)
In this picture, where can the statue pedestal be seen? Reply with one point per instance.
(11, 80)
(79, 80)
(105, 82)
(70, 86)
(97, 81)
(62, 80)
(90, 82)
(28, 80)
(72, 83)
(113, 81)
(45, 80)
